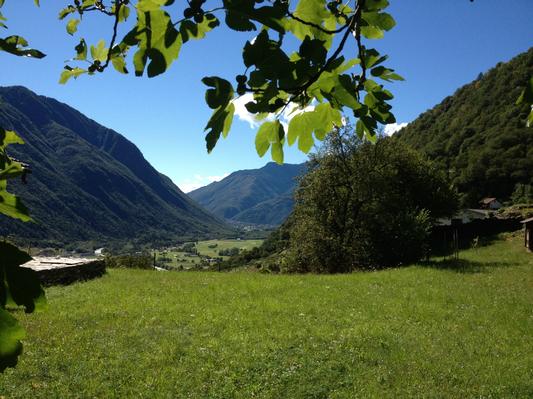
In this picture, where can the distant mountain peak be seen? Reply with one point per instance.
(89, 182)
(257, 196)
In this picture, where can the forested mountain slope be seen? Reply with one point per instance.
(260, 196)
(89, 182)
(478, 135)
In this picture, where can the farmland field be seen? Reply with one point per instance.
(441, 329)
(208, 247)
(176, 258)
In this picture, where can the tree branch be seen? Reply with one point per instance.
(118, 5)
(316, 26)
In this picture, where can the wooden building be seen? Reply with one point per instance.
(490, 203)
(528, 233)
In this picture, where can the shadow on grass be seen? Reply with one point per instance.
(464, 265)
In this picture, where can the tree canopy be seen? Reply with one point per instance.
(364, 206)
(314, 80)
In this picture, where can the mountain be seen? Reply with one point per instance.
(478, 135)
(89, 182)
(257, 196)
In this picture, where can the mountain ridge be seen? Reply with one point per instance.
(91, 179)
(478, 135)
(255, 196)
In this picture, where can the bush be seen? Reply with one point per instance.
(135, 261)
(364, 206)
(189, 248)
(229, 251)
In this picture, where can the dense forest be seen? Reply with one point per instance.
(478, 135)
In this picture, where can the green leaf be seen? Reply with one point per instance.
(8, 168)
(66, 11)
(150, 5)
(190, 30)
(72, 26)
(241, 13)
(119, 63)
(373, 58)
(81, 50)
(366, 127)
(220, 94)
(270, 134)
(9, 137)
(276, 152)
(11, 205)
(17, 45)
(238, 14)
(314, 50)
(381, 21)
(2, 18)
(344, 92)
(375, 5)
(11, 334)
(99, 53)
(220, 123)
(321, 120)
(19, 285)
(327, 80)
(313, 11)
(267, 56)
(123, 13)
(157, 40)
(385, 74)
(71, 73)
(372, 32)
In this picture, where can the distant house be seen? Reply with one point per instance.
(528, 233)
(99, 251)
(490, 203)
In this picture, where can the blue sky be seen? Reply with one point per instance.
(437, 45)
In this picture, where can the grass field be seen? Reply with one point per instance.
(421, 331)
(209, 248)
(204, 246)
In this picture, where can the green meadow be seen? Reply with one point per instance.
(212, 247)
(174, 258)
(442, 329)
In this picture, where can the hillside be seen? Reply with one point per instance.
(441, 329)
(259, 196)
(478, 135)
(89, 182)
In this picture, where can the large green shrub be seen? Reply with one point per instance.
(364, 206)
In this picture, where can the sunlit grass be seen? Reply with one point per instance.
(425, 331)
(207, 247)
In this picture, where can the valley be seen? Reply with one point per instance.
(344, 237)
(202, 254)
